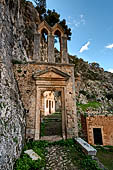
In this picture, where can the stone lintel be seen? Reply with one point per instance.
(50, 83)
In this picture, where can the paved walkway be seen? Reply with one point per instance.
(57, 159)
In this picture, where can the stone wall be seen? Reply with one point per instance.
(83, 127)
(27, 86)
(12, 119)
(106, 125)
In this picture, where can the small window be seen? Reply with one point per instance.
(46, 103)
(97, 136)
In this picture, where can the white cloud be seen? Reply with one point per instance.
(110, 70)
(76, 22)
(109, 46)
(81, 16)
(82, 20)
(84, 47)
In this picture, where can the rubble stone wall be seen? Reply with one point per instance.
(27, 87)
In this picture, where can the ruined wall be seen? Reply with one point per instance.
(106, 125)
(12, 118)
(26, 83)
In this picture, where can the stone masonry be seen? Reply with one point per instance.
(27, 86)
(38, 76)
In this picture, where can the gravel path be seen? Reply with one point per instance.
(57, 159)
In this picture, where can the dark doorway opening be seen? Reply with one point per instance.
(97, 136)
(49, 107)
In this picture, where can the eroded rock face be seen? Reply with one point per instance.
(12, 120)
(97, 88)
(30, 21)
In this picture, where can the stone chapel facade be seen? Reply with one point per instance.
(43, 74)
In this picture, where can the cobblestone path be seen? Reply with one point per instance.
(57, 159)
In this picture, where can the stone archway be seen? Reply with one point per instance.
(38, 108)
(50, 79)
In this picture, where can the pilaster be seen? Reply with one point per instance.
(51, 57)
(37, 114)
(36, 53)
(64, 53)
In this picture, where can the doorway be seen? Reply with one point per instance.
(49, 106)
(97, 136)
(51, 113)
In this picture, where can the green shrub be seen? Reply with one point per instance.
(16, 61)
(15, 140)
(83, 92)
(91, 96)
(84, 107)
(42, 129)
(88, 164)
(26, 163)
(19, 71)
(109, 96)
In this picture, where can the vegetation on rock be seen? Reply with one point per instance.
(89, 105)
(94, 85)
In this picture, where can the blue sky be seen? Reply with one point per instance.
(91, 22)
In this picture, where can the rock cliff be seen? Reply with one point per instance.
(18, 21)
(93, 84)
(12, 114)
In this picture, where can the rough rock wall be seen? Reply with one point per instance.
(12, 114)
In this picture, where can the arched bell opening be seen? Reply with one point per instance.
(57, 46)
(44, 45)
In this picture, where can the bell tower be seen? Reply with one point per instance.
(44, 41)
(49, 72)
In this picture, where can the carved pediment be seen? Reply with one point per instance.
(51, 74)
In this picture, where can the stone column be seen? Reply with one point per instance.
(37, 114)
(64, 53)
(51, 57)
(36, 53)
